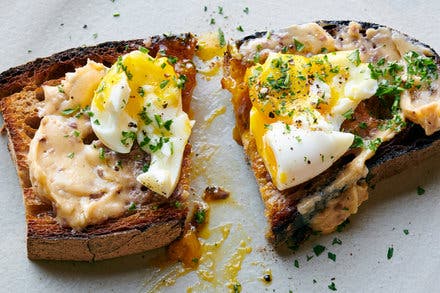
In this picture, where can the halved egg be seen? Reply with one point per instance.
(298, 106)
(140, 99)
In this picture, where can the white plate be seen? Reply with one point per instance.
(361, 261)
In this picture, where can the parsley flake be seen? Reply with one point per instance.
(332, 287)
(164, 83)
(420, 190)
(70, 111)
(336, 240)
(390, 252)
(144, 50)
(221, 38)
(298, 45)
(318, 249)
(200, 216)
(132, 207)
(331, 256)
(354, 57)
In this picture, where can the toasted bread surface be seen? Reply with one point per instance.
(286, 223)
(156, 223)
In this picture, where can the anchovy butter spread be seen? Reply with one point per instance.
(78, 178)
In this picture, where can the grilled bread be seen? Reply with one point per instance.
(154, 223)
(395, 128)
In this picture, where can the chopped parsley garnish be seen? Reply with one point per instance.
(145, 142)
(354, 57)
(205, 8)
(357, 142)
(390, 252)
(221, 38)
(246, 10)
(309, 257)
(144, 116)
(178, 204)
(159, 143)
(236, 288)
(76, 133)
(71, 155)
(200, 216)
(141, 91)
(362, 125)
(257, 57)
(420, 190)
(164, 83)
(298, 45)
(123, 67)
(181, 81)
(70, 111)
(172, 59)
(60, 88)
(406, 231)
(163, 65)
(318, 249)
(332, 287)
(331, 256)
(341, 226)
(374, 144)
(220, 10)
(145, 168)
(296, 263)
(158, 119)
(212, 21)
(101, 153)
(95, 35)
(144, 50)
(195, 260)
(116, 14)
(132, 207)
(336, 240)
(240, 28)
(128, 137)
(421, 66)
(348, 114)
(96, 122)
(167, 124)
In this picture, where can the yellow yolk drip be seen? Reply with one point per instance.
(141, 69)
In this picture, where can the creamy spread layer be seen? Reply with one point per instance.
(109, 135)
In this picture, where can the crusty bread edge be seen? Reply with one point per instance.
(104, 246)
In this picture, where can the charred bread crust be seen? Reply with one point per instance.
(286, 224)
(156, 223)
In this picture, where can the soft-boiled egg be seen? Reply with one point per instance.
(298, 106)
(140, 99)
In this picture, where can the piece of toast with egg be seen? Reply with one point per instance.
(324, 110)
(99, 136)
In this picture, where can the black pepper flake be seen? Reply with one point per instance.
(267, 278)
(271, 115)
(132, 124)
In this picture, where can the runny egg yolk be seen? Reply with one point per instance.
(299, 103)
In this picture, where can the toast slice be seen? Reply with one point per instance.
(156, 223)
(322, 203)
